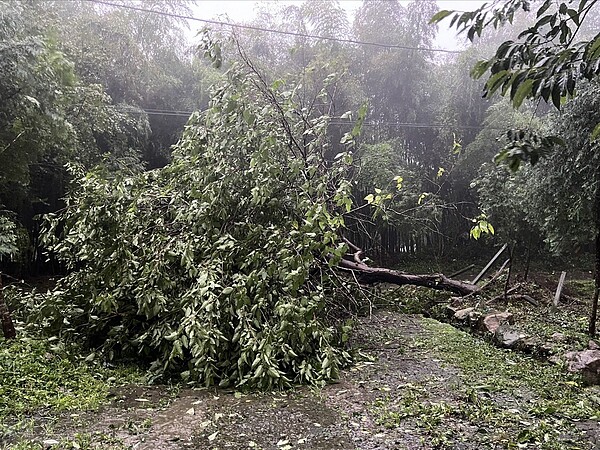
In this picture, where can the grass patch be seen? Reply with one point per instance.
(43, 374)
(506, 371)
(504, 399)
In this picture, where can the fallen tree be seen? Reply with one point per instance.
(222, 266)
(371, 275)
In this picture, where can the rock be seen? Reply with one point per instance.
(547, 348)
(491, 322)
(463, 314)
(455, 302)
(587, 362)
(529, 344)
(593, 345)
(558, 337)
(507, 338)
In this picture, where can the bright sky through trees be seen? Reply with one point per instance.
(244, 10)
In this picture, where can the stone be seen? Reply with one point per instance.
(587, 362)
(507, 338)
(491, 322)
(463, 314)
(547, 348)
(558, 337)
(555, 359)
(529, 344)
(593, 345)
(455, 302)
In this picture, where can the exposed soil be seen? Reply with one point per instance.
(403, 395)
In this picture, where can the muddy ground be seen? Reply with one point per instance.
(408, 391)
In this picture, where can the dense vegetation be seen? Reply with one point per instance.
(216, 258)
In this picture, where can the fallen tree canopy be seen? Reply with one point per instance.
(222, 267)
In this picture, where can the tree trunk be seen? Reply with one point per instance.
(526, 275)
(370, 275)
(8, 327)
(594, 312)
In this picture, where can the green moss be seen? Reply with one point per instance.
(43, 374)
(584, 289)
(504, 370)
(502, 399)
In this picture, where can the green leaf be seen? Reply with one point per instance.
(496, 80)
(440, 15)
(480, 68)
(522, 92)
(596, 133)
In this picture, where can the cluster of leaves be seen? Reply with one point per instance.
(481, 226)
(49, 117)
(525, 145)
(8, 238)
(396, 190)
(545, 62)
(217, 267)
(75, 79)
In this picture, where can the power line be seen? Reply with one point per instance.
(334, 120)
(415, 125)
(269, 30)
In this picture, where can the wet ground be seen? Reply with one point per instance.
(402, 395)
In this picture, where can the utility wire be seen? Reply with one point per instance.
(334, 120)
(269, 30)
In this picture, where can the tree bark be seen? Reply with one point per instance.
(8, 328)
(594, 312)
(370, 275)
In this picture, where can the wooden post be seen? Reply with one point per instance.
(559, 289)
(487, 267)
(461, 271)
(510, 267)
(528, 259)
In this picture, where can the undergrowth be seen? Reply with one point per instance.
(45, 375)
(504, 399)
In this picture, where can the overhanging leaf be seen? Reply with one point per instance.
(596, 132)
(439, 16)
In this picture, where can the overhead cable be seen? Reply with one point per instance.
(270, 30)
(333, 120)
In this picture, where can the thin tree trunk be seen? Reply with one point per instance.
(8, 327)
(594, 312)
(528, 259)
(370, 275)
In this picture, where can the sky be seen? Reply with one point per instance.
(243, 11)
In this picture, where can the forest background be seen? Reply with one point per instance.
(95, 95)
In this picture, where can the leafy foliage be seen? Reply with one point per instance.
(49, 117)
(545, 62)
(8, 238)
(552, 201)
(217, 266)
